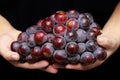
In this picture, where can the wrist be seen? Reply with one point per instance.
(5, 26)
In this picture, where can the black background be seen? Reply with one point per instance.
(24, 13)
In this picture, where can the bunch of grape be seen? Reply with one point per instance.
(63, 38)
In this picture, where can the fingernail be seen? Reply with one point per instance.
(101, 39)
(68, 67)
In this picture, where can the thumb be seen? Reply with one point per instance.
(10, 56)
(105, 41)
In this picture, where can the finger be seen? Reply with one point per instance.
(9, 55)
(5, 50)
(50, 69)
(105, 41)
(76, 67)
(84, 67)
(37, 65)
(55, 65)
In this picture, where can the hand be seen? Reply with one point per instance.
(106, 40)
(5, 41)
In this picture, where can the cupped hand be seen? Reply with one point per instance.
(106, 40)
(5, 41)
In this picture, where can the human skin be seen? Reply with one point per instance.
(8, 34)
(109, 39)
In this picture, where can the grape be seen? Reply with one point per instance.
(15, 46)
(71, 36)
(73, 14)
(22, 37)
(50, 37)
(30, 59)
(91, 35)
(84, 22)
(47, 24)
(65, 37)
(72, 24)
(100, 53)
(40, 37)
(31, 40)
(82, 48)
(59, 56)
(59, 42)
(74, 59)
(72, 48)
(24, 49)
(89, 16)
(60, 16)
(95, 28)
(59, 29)
(87, 58)
(36, 52)
(81, 35)
(32, 29)
(47, 50)
(91, 45)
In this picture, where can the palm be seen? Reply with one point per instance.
(110, 45)
(13, 57)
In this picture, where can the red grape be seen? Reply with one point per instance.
(63, 37)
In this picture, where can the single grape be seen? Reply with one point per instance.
(47, 50)
(100, 53)
(74, 59)
(72, 48)
(36, 52)
(73, 14)
(40, 37)
(30, 59)
(47, 24)
(84, 22)
(22, 37)
(87, 58)
(91, 45)
(82, 48)
(24, 49)
(60, 56)
(31, 40)
(32, 29)
(15, 46)
(81, 35)
(91, 35)
(90, 17)
(59, 42)
(71, 36)
(95, 28)
(60, 17)
(72, 24)
(59, 30)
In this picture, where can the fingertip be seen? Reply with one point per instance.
(68, 66)
(75, 67)
(50, 69)
(53, 71)
(15, 57)
(102, 40)
(105, 41)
